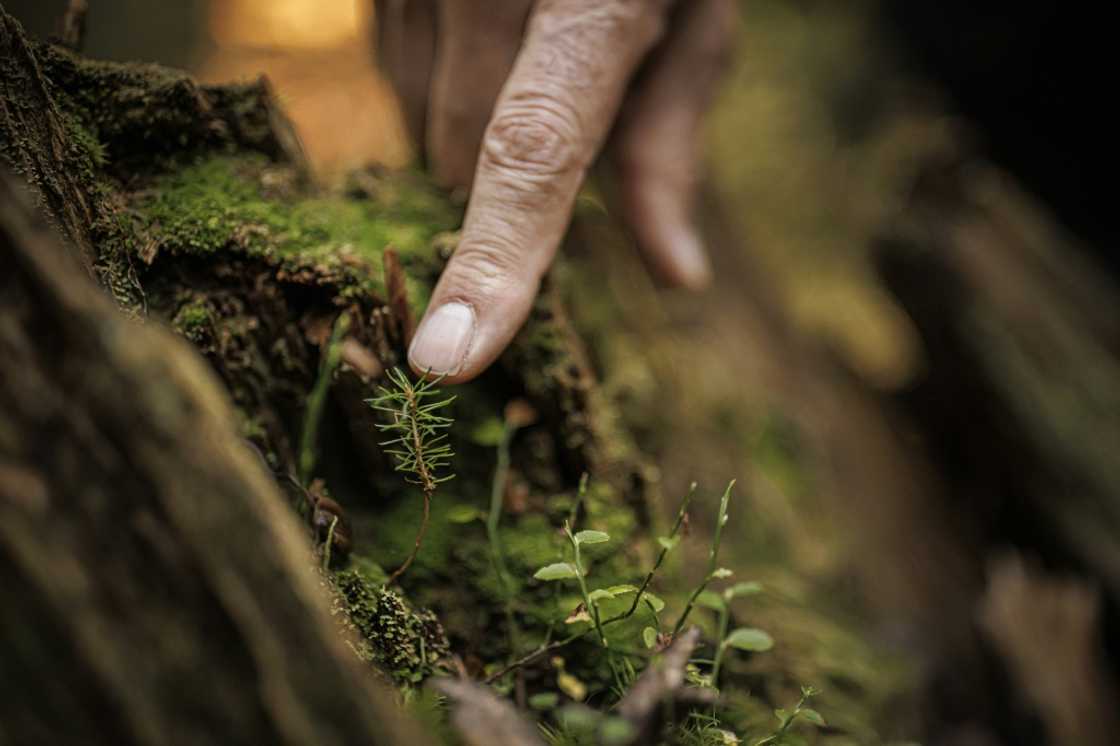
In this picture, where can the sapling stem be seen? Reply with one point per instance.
(419, 448)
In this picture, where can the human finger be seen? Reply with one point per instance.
(477, 46)
(549, 122)
(656, 147)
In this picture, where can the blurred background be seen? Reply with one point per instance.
(911, 355)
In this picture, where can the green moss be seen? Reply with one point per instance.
(245, 204)
(194, 319)
(406, 643)
(87, 142)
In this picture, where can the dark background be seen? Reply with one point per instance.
(1033, 78)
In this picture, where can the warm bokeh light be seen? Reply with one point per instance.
(287, 23)
(319, 56)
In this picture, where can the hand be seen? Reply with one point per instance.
(515, 99)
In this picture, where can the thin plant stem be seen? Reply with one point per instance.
(592, 609)
(417, 543)
(713, 556)
(329, 543)
(493, 521)
(790, 718)
(553, 646)
(724, 619)
(580, 494)
(316, 400)
(681, 513)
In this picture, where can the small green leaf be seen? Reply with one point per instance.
(489, 432)
(544, 700)
(749, 638)
(620, 590)
(710, 600)
(649, 637)
(615, 730)
(743, 589)
(598, 595)
(464, 514)
(722, 573)
(657, 604)
(668, 543)
(556, 571)
(592, 537)
(811, 715)
(578, 717)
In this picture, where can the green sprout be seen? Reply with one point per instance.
(742, 638)
(420, 447)
(591, 599)
(575, 569)
(788, 718)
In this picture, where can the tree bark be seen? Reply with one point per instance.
(152, 586)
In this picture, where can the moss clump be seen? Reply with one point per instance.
(148, 117)
(194, 319)
(247, 205)
(407, 644)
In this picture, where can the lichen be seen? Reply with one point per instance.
(406, 643)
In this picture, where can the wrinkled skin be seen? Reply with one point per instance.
(513, 100)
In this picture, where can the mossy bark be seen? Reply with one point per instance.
(153, 586)
(155, 569)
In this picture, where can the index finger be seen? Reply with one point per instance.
(549, 122)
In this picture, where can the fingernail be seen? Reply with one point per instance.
(441, 343)
(692, 263)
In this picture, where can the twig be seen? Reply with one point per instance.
(530, 657)
(481, 717)
(661, 683)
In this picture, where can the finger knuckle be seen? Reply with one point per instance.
(486, 267)
(535, 138)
